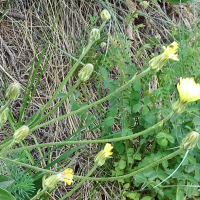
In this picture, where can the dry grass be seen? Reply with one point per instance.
(20, 32)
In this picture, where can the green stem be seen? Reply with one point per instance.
(138, 171)
(102, 25)
(40, 193)
(98, 141)
(5, 106)
(28, 166)
(79, 184)
(103, 179)
(63, 99)
(68, 75)
(95, 103)
(4, 150)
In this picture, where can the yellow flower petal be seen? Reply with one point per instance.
(188, 90)
(66, 176)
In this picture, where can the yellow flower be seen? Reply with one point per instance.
(102, 155)
(170, 51)
(188, 90)
(158, 62)
(66, 176)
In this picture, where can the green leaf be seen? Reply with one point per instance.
(5, 181)
(122, 164)
(165, 135)
(165, 163)
(130, 151)
(137, 85)
(127, 185)
(35, 117)
(61, 95)
(109, 121)
(5, 195)
(146, 198)
(134, 196)
(119, 147)
(138, 156)
(136, 107)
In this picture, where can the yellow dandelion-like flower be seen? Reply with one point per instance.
(107, 150)
(102, 155)
(158, 62)
(170, 51)
(188, 90)
(66, 176)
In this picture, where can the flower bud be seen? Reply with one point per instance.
(94, 34)
(105, 15)
(190, 141)
(157, 37)
(144, 4)
(4, 116)
(21, 133)
(178, 107)
(13, 91)
(85, 73)
(51, 181)
(103, 45)
(103, 155)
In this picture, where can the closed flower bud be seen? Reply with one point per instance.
(144, 4)
(103, 155)
(105, 15)
(190, 141)
(4, 116)
(157, 37)
(85, 73)
(21, 133)
(13, 91)
(103, 45)
(158, 62)
(94, 34)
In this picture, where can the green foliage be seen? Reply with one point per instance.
(15, 180)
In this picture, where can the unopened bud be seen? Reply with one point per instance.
(13, 91)
(4, 116)
(21, 133)
(103, 44)
(94, 34)
(105, 15)
(144, 4)
(51, 181)
(85, 73)
(190, 141)
(157, 37)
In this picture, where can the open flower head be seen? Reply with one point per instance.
(159, 61)
(170, 51)
(66, 176)
(103, 155)
(188, 90)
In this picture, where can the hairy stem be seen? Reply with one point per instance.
(98, 141)
(40, 193)
(95, 103)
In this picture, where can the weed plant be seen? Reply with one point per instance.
(138, 127)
